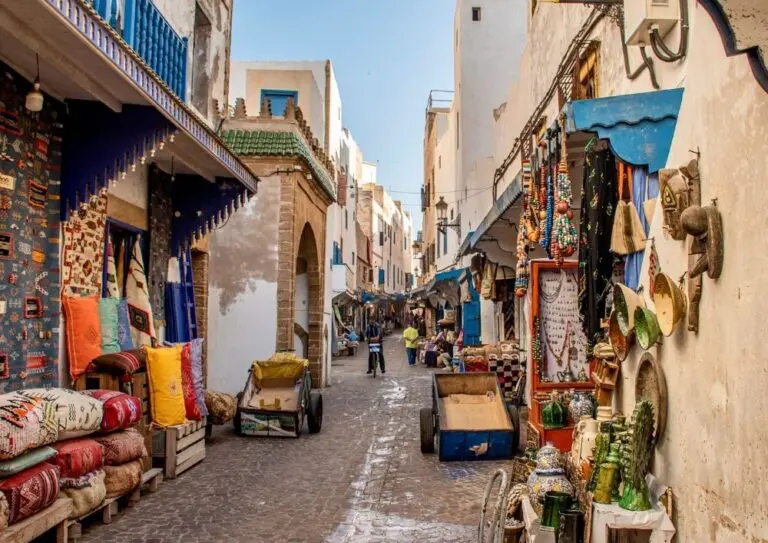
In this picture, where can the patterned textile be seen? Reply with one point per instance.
(122, 447)
(121, 480)
(196, 357)
(78, 456)
(598, 202)
(108, 308)
(25, 423)
(30, 491)
(26, 460)
(123, 362)
(113, 287)
(188, 385)
(83, 332)
(139, 307)
(89, 495)
(120, 409)
(3, 512)
(83, 258)
(221, 406)
(160, 223)
(505, 375)
(30, 172)
(124, 326)
(75, 414)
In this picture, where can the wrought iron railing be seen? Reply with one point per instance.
(145, 29)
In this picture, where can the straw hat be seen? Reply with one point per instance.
(603, 350)
(620, 343)
(646, 327)
(670, 303)
(625, 301)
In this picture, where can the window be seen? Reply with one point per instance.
(476, 14)
(438, 245)
(346, 219)
(353, 257)
(201, 79)
(279, 99)
(445, 243)
(439, 162)
(586, 74)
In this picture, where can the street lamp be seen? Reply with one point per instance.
(442, 224)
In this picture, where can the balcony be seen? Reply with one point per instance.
(144, 28)
(342, 278)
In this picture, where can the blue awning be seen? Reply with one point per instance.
(464, 247)
(502, 204)
(443, 277)
(639, 127)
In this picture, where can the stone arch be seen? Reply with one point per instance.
(308, 301)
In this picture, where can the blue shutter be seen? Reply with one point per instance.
(381, 276)
(471, 318)
(279, 99)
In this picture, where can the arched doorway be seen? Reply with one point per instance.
(308, 309)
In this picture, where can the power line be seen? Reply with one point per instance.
(440, 191)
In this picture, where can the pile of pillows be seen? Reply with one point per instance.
(44, 451)
(176, 383)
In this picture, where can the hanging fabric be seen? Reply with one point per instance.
(627, 235)
(599, 192)
(139, 308)
(645, 190)
(120, 265)
(489, 280)
(113, 287)
(176, 326)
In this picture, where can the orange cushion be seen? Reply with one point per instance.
(83, 329)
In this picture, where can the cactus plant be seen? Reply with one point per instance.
(637, 458)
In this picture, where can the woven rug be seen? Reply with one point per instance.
(83, 260)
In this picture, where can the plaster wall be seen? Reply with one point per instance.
(242, 295)
(133, 189)
(369, 173)
(181, 16)
(446, 186)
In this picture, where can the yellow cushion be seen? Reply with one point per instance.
(166, 393)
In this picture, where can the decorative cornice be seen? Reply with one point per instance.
(84, 19)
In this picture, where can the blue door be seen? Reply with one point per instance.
(471, 318)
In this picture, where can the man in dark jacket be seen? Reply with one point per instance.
(373, 334)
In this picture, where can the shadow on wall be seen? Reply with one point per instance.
(244, 250)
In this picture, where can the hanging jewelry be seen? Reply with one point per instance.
(536, 348)
(559, 356)
(564, 236)
(551, 298)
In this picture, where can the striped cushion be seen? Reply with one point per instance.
(123, 362)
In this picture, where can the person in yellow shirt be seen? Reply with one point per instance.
(410, 335)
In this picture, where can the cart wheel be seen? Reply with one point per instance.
(427, 426)
(236, 422)
(514, 416)
(315, 414)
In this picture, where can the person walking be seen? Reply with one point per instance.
(374, 334)
(410, 335)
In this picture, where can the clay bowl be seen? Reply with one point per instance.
(670, 303)
(646, 328)
(621, 344)
(625, 301)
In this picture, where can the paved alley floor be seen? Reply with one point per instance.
(361, 479)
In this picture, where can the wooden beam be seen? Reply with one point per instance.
(53, 55)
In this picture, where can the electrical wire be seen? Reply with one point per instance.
(660, 49)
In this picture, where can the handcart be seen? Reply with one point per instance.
(277, 398)
(468, 419)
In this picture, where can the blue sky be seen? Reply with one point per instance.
(387, 56)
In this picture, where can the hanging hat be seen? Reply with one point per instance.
(625, 301)
(670, 303)
(620, 343)
(646, 328)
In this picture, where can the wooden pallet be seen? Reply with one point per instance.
(178, 448)
(110, 507)
(53, 517)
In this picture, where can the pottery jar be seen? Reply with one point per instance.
(549, 475)
(588, 435)
(581, 405)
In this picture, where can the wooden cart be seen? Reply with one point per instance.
(468, 419)
(279, 406)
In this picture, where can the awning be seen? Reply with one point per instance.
(639, 127)
(343, 298)
(444, 277)
(500, 207)
(464, 247)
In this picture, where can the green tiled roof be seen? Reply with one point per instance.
(270, 143)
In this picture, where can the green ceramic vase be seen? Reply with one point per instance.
(554, 415)
(608, 479)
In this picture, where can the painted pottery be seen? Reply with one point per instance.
(554, 415)
(548, 458)
(670, 303)
(571, 528)
(620, 343)
(604, 413)
(554, 503)
(608, 477)
(650, 384)
(581, 405)
(625, 301)
(646, 328)
(549, 475)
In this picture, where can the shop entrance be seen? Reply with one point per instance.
(308, 311)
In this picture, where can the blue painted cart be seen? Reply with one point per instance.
(468, 419)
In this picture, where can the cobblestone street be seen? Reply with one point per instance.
(362, 478)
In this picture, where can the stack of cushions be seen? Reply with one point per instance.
(121, 411)
(176, 383)
(123, 454)
(80, 462)
(30, 471)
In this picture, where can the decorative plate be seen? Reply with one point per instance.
(650, 384)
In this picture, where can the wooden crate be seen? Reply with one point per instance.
(33, 527)
(178, 448)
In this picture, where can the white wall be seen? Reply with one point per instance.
(446, 186)
(369, 173)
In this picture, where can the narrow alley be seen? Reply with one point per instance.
(362, 478)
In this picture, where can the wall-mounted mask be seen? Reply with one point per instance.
(673, 190)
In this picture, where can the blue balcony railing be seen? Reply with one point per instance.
(145, 29)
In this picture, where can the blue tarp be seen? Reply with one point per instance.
(442, 277)
(639, 127)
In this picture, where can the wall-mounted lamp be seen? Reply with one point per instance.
(35, 99)
(442, 224)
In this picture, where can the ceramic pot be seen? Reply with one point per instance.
(625, 301)
(548, 458)
(587, 442)
(581, 405)
(620, 343)
(549, 475)
(571, 529)
(555, 503)
(608, 477)
(553, 415)
(604, 413)
(646, 328)
(670, 303)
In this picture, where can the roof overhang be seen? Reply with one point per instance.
(496, 228)
(638, 127)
